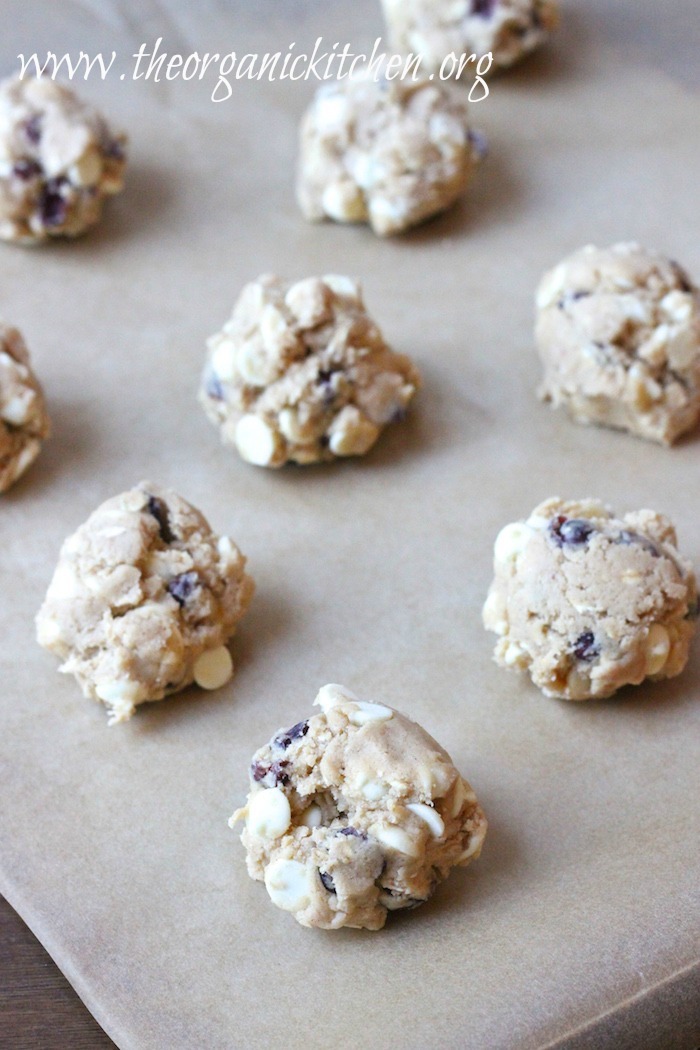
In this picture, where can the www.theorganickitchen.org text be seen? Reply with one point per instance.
(152, 62)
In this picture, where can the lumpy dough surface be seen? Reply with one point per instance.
(24, 422)
(434, 29)
(143, 600)
(618, 333)
(587, 602)
(301, 372)
(387, 152)
(355, 812)
(59, 160)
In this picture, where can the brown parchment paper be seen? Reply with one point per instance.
(579, 926)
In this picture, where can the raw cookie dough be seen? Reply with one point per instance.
(388, 152)
(434, 29)
(587, 602)
(355, 812)
(301, 372)
(58, 161)
(24, 422)
(143, 600)
(618, 332)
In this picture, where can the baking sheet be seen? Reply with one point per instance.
(579, 926)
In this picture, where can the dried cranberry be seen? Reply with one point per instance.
(114, 150)
(258, 771)
(278, 773)
(214, 388)
(32, 128)
(570, 532)
(26, 169)
(52, 203)
(627, 537)
(571, 297)
(274, 773)
(483, 8)
(327, 881)
(283, 740)
(585, 647)
(355, 832)
(479, 143)
(158, 510)
(325, 382)
(182, 586)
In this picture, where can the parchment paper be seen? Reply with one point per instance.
(579, 926)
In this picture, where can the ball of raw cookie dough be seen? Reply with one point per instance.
(587, 602)
(24, 422)
(618, 332)
(143, 600)
(301, 372)
(355, 812)
(59, 159)
(388, 152)
(436, 29)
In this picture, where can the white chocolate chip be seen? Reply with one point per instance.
(256, 442)
(514, 654)
(511, 541)
(312, 817)
(65, 583)
(253, 365)
(551, 287)
(213, 668)
(683, 347)
(472, 850)
(16, 410)
(431, 817)
(387, 214)
(494, 613)
(330, 112)
(364, 712)
(341, 285)
(289, 884)
(351, 433)
(678, 305)
(48, 631)
(117, 691)
(26, 457)
(657, 648)
(227, 549)
(269, 813)
(461, 795)
(332, 695)
(274, 330)
(86, 171)
(343, 201)
(395, 838)
(223, 360)
(309, 302)
(288, 422)
(372, 790)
